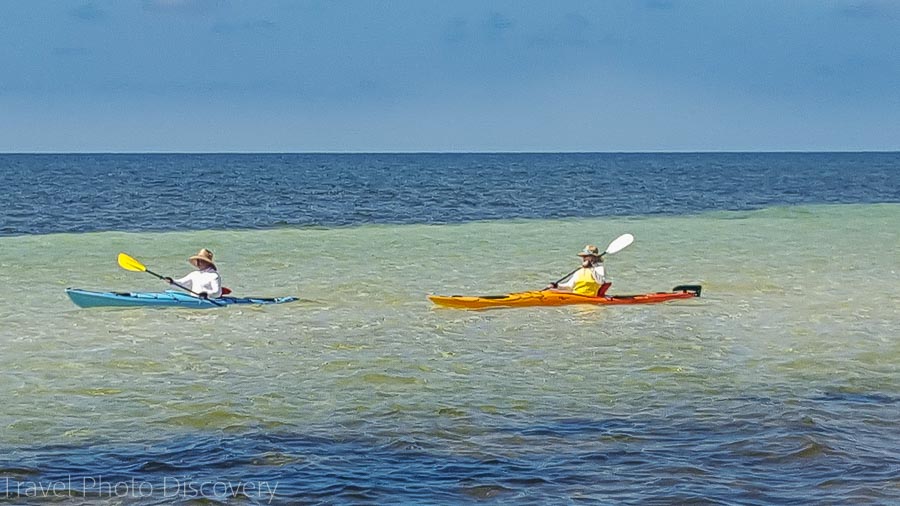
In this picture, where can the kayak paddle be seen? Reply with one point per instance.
(130, 264)
(617, 245)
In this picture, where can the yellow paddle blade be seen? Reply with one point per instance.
(130, 264)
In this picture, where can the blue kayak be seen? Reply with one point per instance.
(86, 298)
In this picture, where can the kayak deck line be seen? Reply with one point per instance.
(169, 298)
(554, 298)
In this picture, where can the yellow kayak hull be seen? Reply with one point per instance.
(556, 298)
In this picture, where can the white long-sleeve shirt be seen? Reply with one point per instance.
(207, 280)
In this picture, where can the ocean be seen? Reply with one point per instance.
(779, 385)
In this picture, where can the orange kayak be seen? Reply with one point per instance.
(554, 298)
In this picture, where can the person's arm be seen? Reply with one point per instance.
(215, 286)
(186, 282)
(567, 283)
(599, 272)
(555, 285)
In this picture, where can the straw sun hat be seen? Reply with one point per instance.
(590, 251)
(205, 255)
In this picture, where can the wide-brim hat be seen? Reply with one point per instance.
(205, 255)
(589, 251)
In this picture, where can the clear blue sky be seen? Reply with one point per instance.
(463, 75)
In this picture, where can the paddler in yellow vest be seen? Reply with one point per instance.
(590, 279)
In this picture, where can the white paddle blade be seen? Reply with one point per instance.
(619, 243)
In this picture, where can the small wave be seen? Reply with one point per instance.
(18, 473)
(210, 419)
(482, 492)
(387, 379)
(858, 398)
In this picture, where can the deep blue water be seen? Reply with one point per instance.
(788, 456)
(80, 193)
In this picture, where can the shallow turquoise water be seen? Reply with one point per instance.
(782, 377)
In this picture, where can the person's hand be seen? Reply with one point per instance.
(168, 280)
(551, 286)
(204, 295)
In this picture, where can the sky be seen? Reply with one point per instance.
(445, 76)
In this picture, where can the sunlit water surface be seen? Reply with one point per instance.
(780, 384)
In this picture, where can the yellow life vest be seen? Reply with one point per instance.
(585, 284)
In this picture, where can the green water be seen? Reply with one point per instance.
(796, 302)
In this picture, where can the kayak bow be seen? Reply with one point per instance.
(87, 298)
(554, 298)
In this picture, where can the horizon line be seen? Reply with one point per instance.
(427, 152)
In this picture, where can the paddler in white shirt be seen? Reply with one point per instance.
(589, 280)
(205, 281)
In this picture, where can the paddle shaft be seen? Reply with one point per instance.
(558, 281)
(148, 271)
